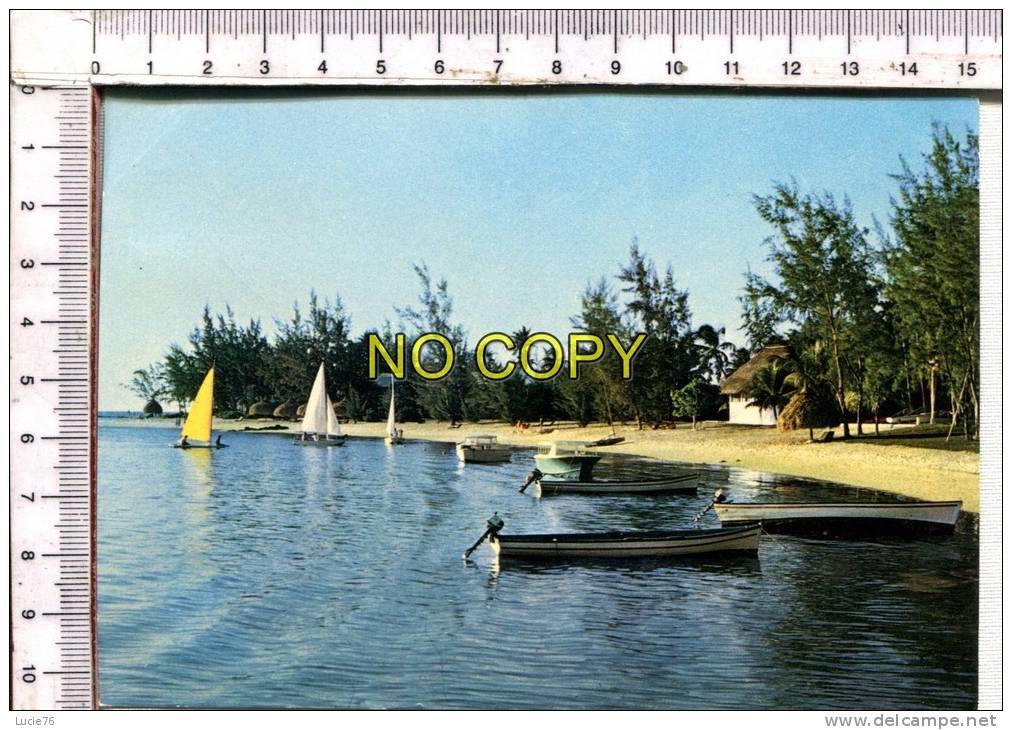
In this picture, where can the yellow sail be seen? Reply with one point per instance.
(198, 423)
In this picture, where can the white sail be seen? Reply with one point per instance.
(391, 428)
(315, 420)
(333, 427)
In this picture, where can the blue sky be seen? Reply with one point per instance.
(518, 199)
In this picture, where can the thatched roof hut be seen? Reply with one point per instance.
(735, 385)
(737, 382)
(261, 409)
(152, 408)
(339, 410)
(809, 410)
(285, 410)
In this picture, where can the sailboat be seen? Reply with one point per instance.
(198, 422)
(319, 425)
(394, 435)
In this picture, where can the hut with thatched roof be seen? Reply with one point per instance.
(735, 385)
(286, 410)
(261, 409)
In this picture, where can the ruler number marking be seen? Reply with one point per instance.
(791, 68)
(850, 68)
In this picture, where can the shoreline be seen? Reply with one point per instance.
(921, 473)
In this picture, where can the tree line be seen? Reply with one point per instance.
(876, 322)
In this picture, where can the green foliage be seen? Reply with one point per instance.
(933, 266)
(149, 384)
(696, 400)
(771, 388)
(823, 271)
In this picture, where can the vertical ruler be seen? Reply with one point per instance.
(51, 445)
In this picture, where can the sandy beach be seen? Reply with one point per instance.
(923, 473)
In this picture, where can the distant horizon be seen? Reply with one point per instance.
(518, 200)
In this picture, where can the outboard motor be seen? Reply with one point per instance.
(718, 498)
(493, 525)
(534, 476)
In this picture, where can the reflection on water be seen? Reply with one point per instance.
(267, 575)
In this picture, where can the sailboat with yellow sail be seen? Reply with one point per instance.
(319, 425)
(198, 422)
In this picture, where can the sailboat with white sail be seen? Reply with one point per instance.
(394, 435)
(197, 426)
(319, 425)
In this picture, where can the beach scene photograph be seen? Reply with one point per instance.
(503, 400)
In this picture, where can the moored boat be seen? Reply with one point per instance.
(568, 459)
(643, 544)
(678, 484)
(482, 449)
(843, 518)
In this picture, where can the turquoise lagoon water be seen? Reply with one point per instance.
(266, 575)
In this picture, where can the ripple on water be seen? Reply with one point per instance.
(267, 575)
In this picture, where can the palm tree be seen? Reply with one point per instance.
(714, 354)
(771, 388)
(812, 404)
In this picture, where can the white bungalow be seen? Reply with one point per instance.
(739, 411)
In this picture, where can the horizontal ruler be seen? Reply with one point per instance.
(914, 49)
(51, 417)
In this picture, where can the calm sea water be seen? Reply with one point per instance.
(270, 575)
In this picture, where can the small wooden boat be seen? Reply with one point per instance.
(843, 518)
(569, 459)
(644, 544)
(484, 449)
(607, 441)
(679, 484)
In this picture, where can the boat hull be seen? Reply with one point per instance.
(394, 440)
(628, 545)
(844, 519)
(321, 442)
(496, 455)
(682, 484)
(566, 466)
